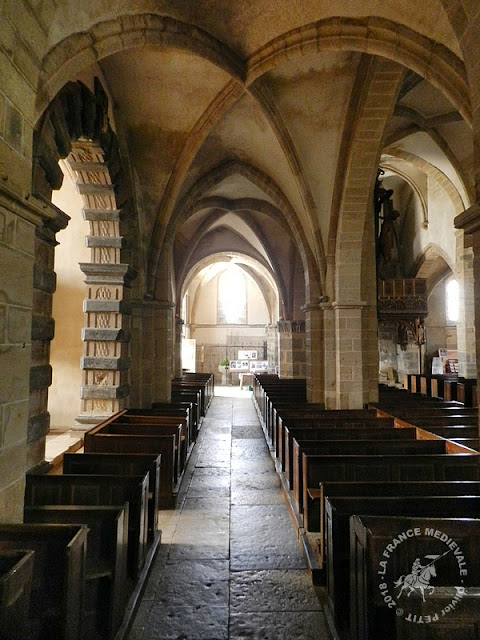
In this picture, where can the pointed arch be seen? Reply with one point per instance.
(313, 284)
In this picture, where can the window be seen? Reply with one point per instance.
(232, 297)
(452, 300)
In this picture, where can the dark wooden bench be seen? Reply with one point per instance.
(106, 567)
(338, 511)
(329, 422)
(412, 448)
(58, 580)
(315, 512)
(193, 397)
(207, 380)
(121, 464)
(163, 445)
(448, 612)
(16, 572)
(280, 391)
(439, 421)
(428, 411)
(465, 387)
(172, 416)
(192, 387)
(184, 411)
(472, 443)
(371, 617)
(387, 468)
(116, 425)
(285, 449)
(153, 429)
(98, 490)
(454, 432)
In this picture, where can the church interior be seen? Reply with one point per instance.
(274, 198)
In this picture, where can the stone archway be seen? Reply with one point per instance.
(76, 125)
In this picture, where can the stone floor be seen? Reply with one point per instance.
(229, 565)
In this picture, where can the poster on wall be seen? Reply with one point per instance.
(259, 365)
(437, 366)
(247, 355)
(239, 365)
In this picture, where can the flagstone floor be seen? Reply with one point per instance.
(229, 565)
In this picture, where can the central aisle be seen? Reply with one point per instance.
(229, 565)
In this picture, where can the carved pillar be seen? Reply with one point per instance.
(467, 364)
(105, 362)
(291, 349)
(178, 346)
(314, 343)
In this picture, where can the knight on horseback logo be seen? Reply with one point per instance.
(420, 581)
(419, 577)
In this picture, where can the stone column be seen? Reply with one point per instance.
(105, 362)
(329, 360)
(356, 354)
(162, 314)
(178, 346)
(467, 364)
(272, 346)
(469, 221)
(291, 349)
(44, 286)
(314, 342)
(27, 281)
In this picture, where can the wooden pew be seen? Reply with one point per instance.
(465, 388)
(180, 387)
(192, 396)
(428, 411)
(371, 618)
(277, 392)
(454, 432)
(58, 579)
(106, 566)
(160, 419)
(207, 380)
(315, 509)
(99, 490)
(338, 511)
(327, 420)
(163, 445)
(16, 572)
(121, 464)
(116, 425)
(183, 410)
(387, 448)
(455, 615)
(387, 468)
(425, 422)
(347, 432)
(152, 430)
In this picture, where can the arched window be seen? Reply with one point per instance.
(232, 297)
(452, 300)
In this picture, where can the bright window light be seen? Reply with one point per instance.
(452, 301)
(232, 297)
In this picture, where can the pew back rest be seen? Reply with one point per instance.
(58, 583)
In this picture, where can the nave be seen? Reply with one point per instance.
(229, 564)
